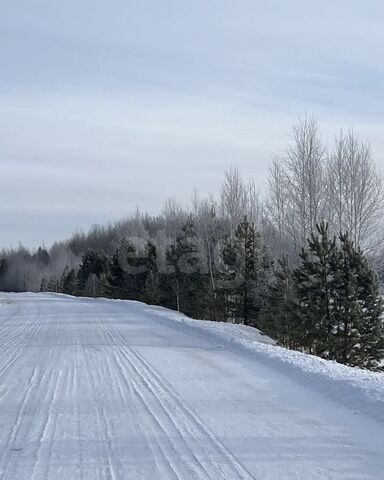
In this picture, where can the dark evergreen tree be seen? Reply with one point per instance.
(42, 256)
(246, 274)
(127, 274)
(370, 350)
(116, 277)
(151, 293)
(103, 287)
(134, 262)
(44, 285)
(94, 264)
(69, 281)
(316, 291)
(360, 332)
(151, 288)
(339, 309)
(3, 266)
(279, 319)
(53, 284)
(3, 271)
(186, 283)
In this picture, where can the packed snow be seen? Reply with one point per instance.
(361, 390)
(103, 389)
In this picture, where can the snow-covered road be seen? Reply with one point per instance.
(93, 389)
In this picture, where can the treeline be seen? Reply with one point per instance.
(328, 305)
(295, 262)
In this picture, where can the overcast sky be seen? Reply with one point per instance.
(105, 105)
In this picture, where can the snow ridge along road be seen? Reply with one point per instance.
(94, 389)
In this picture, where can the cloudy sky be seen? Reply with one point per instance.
(106, 105)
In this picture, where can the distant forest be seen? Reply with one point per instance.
(302, 262)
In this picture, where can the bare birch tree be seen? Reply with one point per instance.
(306, 189)
(233, 198)
(254, 205)
(355, 190)
(174, 217)
(277, 199)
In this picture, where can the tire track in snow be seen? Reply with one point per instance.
(8, 323)
(149, 426)
(148, 419)
(12, 436)
(174, 418)
(105, 432)
(40, 391)
(160, 468)
(55, 389)
(25, 438)
(13, 344)
(76, 394)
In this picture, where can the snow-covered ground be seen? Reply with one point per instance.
(100, 389)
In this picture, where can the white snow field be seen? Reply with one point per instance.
(101, 389)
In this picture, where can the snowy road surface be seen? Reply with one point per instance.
(93, 389)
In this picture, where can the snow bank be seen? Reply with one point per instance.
(357, 389)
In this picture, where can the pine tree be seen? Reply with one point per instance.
(187, 281)
(151, 293)
(338, 303)
(69, 281)
(3, 266)
(116, 278)
(135, 272)
(279, 319)
(91, 285)
(42, 256)
(94, 263)
(151, 289)
(370, 351)
(361, 332)
(246, 274)
(228, 280)
(44, 285)
(103, 287)
(53, 284)
(316, 290)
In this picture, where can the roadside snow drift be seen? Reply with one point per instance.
(358, 389)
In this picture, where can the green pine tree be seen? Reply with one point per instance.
(316, 290)
(361, 330)
(279, 319)
(186, 284)
(53, 284)
(338, 306)
(44, 285)
(69, 281)
(151, 288)
(94, 264)
(116, 278)
(245, 275)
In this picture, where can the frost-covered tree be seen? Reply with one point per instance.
(356, 196)
(305, 185)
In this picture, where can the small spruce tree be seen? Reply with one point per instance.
(278, 320)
